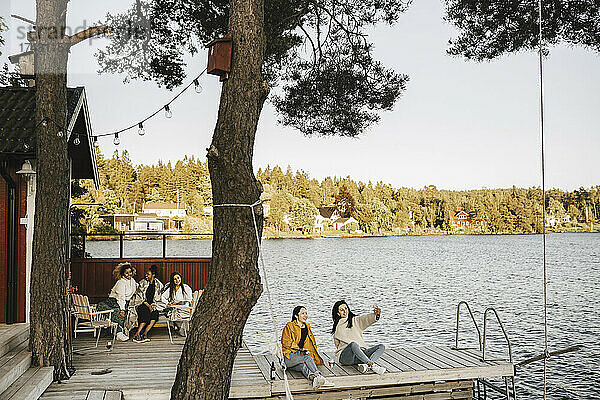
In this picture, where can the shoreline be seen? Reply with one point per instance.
(328, 235)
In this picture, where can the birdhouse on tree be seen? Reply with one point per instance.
(219, 57)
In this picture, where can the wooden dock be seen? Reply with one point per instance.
(147, 371)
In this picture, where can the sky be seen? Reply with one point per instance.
(459, 125)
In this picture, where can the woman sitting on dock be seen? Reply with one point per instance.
(347, 336)
(145, 302)
(119, 296)
(300, 348)
(176, 293)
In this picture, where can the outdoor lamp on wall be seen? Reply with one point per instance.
(26, 169)
(28, 172)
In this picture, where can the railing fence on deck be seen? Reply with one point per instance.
(93, 276)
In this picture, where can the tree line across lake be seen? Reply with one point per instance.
(294, 198)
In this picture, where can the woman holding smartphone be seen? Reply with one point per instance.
(347, 336)
(300, 348)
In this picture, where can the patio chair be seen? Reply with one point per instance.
(89, 320)
(185, 319)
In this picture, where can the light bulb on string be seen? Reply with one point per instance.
(141, 130)
(45, 122)
(197, 86)
(76, 141)
(168, 112)
(59, 133)
(116, 140)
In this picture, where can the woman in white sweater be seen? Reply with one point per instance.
(176, 293)
(347, 336)
(119, 296)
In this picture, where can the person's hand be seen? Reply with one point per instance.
(122, 313)
(152, 308)
(377, 310)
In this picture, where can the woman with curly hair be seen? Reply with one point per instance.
(119, 297)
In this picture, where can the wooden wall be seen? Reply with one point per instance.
(21, 246)
(3, 255)
(93, 276)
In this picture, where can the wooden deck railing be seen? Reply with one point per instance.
(93, 276)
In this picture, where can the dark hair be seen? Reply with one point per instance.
(336, 317)
(154, 269)
(172, 285)
(296, 312)
(124, 268)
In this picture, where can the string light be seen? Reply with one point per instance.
(197, 86)
(116, 140)
(166, 108)
(44, 122)
(76, 141)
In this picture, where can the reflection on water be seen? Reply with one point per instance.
(419, 280)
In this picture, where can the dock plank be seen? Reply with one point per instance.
(406, 360)
(456, 356)
(112, 395)
(473, 357)
(387, 356)
(95, 395)
(347, 370)
(440, 359)
(445, 390)
(390, 367)
(424, 359)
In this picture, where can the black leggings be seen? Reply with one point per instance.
(145, 315)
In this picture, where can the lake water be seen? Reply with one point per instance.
(418, 282)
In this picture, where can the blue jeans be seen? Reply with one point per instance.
(302, 363)
(353, 354)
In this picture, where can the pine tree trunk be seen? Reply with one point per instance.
(49, 337)
(233, 286)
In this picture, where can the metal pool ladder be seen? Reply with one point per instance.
(482, 343)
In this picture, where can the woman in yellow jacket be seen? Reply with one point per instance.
(300, 348)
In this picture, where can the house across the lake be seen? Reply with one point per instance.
(463, 221)
(154, 217)
(325, 217)
(149, 222)
(18, 186)
(172, 214)
(345, 224)
(120, 222)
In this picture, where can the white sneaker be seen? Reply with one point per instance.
(318, 382)
(328, 384)
(362, 368)
(378, 369)
(122, 337)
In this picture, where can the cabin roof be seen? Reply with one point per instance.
(18, 128)
(326, 212)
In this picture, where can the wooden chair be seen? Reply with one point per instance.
(185, 319)
(89, 320)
